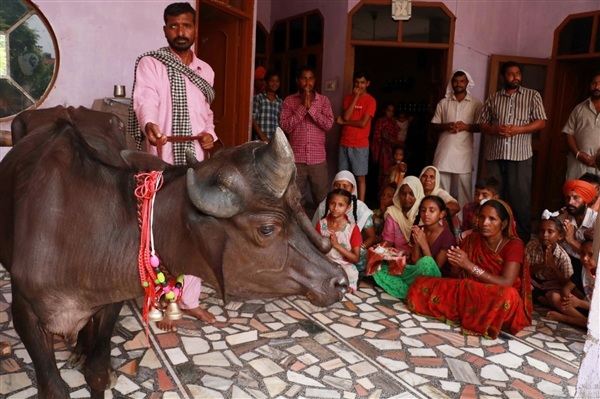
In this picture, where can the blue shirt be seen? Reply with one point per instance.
(266, 113)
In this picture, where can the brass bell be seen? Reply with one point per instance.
(155, 314)
(173, 312)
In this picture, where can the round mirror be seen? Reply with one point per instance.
(28, 57)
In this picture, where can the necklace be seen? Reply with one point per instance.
(498, 246)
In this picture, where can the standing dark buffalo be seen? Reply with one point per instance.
(69, 233)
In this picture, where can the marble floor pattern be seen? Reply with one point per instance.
(367, 346)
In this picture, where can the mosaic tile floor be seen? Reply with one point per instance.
(367, 346)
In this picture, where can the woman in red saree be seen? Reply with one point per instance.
(494, 291)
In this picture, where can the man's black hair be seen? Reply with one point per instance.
(459, 73)
(590, 178)
(488, 183)
(509, 64)
(361, 74)
(176, 9)
(269, 74)
(304, 68)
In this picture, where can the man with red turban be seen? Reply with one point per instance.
(259, 79)
(579, 219)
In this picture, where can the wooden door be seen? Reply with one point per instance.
(538, 74)
(223, 42)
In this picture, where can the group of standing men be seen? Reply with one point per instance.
(508, 119)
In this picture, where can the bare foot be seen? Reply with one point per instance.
(555, 316)
(201, 314)
(166, 325)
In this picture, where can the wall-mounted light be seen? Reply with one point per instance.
(401, 10)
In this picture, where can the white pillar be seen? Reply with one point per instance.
(588, 380)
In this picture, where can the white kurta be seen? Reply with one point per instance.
(584, 126)
(454, 152)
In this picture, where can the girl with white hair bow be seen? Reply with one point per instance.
(345, 179)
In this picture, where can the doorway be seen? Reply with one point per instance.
(572, 82)
(412, 79)
(224, 41)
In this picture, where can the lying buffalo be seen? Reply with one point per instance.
(69, 233)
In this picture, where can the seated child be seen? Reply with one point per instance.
(344, 235)
(430, 237)
(385, 199)
(571, 308)
(486, 188)
(550, 265)
(398, 169)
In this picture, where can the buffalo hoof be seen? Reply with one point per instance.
(76, 361)
(102, 381)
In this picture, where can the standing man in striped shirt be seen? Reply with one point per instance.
(508, 119)
(306, 117)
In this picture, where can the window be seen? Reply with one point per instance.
(297, 41)
(428, 24)
(576, 36)
(579, 34)
(28, 57)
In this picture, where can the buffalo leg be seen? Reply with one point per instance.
(98, 370)
(40, 346)
(85, 344)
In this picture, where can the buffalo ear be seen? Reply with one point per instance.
(215, 195)
(142, 162)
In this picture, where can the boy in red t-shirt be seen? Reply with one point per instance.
(359, 109)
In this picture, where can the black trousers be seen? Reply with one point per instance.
(515, 188)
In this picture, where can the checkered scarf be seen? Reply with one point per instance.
(181, 125)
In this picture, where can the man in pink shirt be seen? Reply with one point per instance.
(306, 117)
(171, 97)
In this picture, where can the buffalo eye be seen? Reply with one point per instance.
(267, 230)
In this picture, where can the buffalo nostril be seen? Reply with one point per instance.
(341, 285)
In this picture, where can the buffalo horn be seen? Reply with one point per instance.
(274, 163)
(322, 243)
(190, 157)
(213, 198)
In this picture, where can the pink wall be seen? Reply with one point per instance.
(98, 44)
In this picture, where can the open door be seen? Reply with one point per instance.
(224, 41)
(538, 74)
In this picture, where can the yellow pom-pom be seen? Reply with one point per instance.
(170, 295)
(160, 277)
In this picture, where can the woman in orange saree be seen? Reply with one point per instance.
(494, 290)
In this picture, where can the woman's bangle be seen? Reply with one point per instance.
(363, 246)
(577, 155)
(477, 271)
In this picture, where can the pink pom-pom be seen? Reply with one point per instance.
(167, 289)
(176, 291)
(154, 261)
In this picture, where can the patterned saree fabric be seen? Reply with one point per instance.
(480, 308)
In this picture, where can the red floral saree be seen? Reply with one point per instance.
(480, 309)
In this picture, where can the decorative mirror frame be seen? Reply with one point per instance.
(33, 10)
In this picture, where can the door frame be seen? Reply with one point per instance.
(244, 17)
